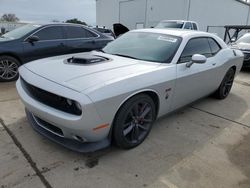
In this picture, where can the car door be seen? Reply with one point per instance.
(51, 43)
(198, 80)
(80, 39)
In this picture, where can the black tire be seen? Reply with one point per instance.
(225, 87)
(8, 68)
(134, 121)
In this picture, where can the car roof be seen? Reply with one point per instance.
(178, 21)
(183, 33)
(175, 32)
(52, 23)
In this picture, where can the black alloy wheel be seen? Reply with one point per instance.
(226, 85)
(8, 68)
(134, 121)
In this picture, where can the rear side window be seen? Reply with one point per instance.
(194, 26)
(90, 34)
(50, 33)
(188, 25)
(215, 48)
(78, 32)
(195, 46)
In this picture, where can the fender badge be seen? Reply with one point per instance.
(167, 93)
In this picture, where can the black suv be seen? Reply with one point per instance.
(36, 41)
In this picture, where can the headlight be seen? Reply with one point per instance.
(74, 106)
(79, 107)
(69, 102)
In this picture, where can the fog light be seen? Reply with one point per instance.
(78, 138)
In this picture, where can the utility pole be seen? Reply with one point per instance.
(188, 11)
(248, 15)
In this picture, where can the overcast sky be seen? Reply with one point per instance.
(48, 10)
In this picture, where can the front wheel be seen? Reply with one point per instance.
(134, 121)
(8, 68)
(225, 87)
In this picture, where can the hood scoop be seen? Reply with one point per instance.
(86, 60)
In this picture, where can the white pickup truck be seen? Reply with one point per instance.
(181, 24)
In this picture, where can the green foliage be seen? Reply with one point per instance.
(76, 21)
(9, 18)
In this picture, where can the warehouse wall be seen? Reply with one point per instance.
(150, 12)
(218, 13)
(107, 12)
(166, 9)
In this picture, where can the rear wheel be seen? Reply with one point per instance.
(226, 85)
(8, 68)
(134, 121)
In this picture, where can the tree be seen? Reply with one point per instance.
(9, 18)
(76, 21)
(55, 21)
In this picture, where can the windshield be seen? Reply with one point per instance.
(20, 32)
(244, 39)
(145, 46)
(163, 25)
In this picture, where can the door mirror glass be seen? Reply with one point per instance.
(197, 58)
(33, 38)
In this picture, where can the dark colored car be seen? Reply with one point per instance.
(36, 41)
(243, 44)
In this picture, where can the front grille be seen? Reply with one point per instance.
(48, 126)
(50, 99)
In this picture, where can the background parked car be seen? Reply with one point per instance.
(243, 44)
(180, 24)
(36, 41)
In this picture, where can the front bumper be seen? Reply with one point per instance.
(75, 130)
(68, 143)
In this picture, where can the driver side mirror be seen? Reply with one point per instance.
(32, 39)
(197, 58)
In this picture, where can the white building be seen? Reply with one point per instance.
(8, 26)
(147, 13)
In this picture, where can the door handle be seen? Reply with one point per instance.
(214, 64)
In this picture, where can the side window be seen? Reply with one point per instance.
(195, 46)
(215, 47)
(194, 26)
(50, 33)
(74, 32)
(90, 34)
(188, 25)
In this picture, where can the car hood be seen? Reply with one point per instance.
(84, 76)
(243, 46)
(4, 40)
(119, 29)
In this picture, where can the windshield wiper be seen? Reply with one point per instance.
(121, 55)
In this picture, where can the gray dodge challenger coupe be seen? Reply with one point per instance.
(86, 101)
